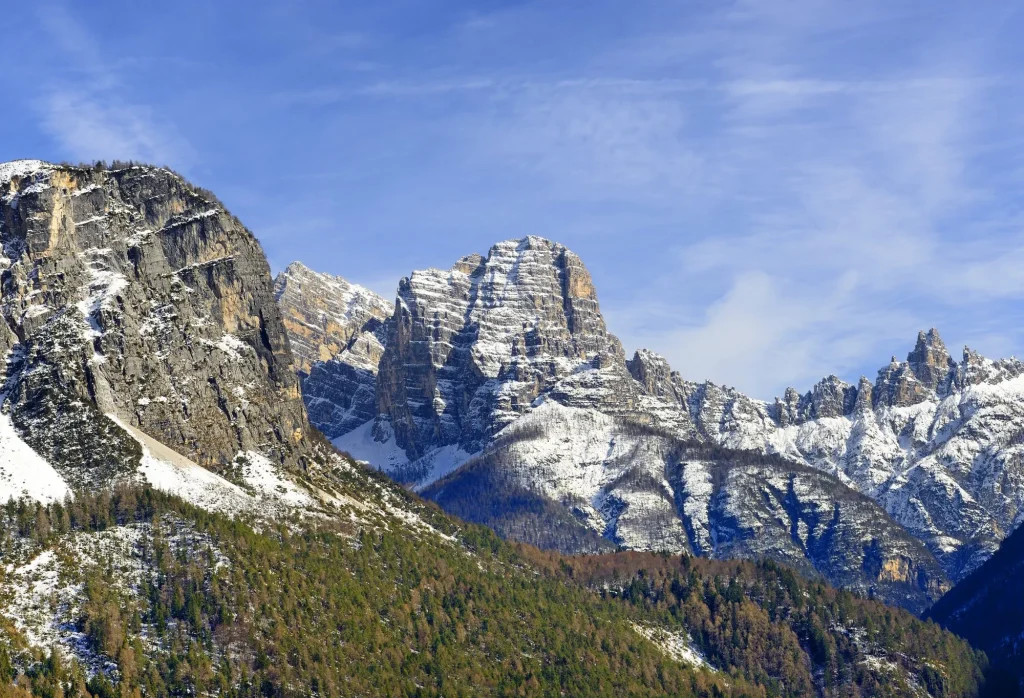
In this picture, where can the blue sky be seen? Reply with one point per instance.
(766, 192)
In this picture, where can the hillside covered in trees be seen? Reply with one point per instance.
(987, 608)
(148, 595)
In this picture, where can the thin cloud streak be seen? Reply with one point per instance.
(85, 112)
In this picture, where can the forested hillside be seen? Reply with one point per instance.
(161, 598)
(987, 608)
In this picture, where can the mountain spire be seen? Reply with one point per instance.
(930, 361)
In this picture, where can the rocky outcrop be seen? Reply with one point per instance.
(129, 292)
(327, 316)
(470, 349)
(337, 334)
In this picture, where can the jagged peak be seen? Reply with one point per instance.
(649, 356)
(296, 267)
(928, 344)
(469, 264)
(529, 242)
(832, 380)
(297, 275)
(535, 241)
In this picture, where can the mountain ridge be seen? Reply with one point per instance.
(195, 536)
(496, 338)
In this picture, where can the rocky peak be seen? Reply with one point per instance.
(653, 372)
(863, 402)
(930, 361)
(927, 373)
(832, 397)
(324, 314)
(337, 335)
(470, 349)
(129, 292)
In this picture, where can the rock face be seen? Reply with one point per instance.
(470, 349)
(327, 316)
(337, 335)
(128, 292)
(502, 395)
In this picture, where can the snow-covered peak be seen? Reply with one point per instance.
(21, 168)
(350, 297)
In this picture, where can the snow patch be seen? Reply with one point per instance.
(361, 443)
(264, 477)
(23, 472)
(231, 345)
(675, 645)
(173, 473)
(21, 168)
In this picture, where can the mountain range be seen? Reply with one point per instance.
(500, 393)
(174, 522)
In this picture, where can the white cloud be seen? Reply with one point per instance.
(86, 111)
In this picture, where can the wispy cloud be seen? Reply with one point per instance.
(86, 112)
(859, 221)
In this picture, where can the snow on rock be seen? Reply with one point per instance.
(231, 345)
(327, 316)
(675, 645)
(170, 472)
(374, 444)
(266, 480)
(23, 472)
(21, 168)
(508, 354)
(376, 447)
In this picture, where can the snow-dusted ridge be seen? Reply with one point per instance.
(21, 168)
(513, 342)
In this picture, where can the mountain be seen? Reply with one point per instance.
(337, 336)
(987, 609)
(934, 441)
(171, 525)
(502, 395)
(130, 295)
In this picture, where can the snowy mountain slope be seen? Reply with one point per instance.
(940, 453)
(477, 349)
(23, 473)
(144, 347)
(644, 489)
(470, 349)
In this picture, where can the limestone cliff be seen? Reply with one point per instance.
(129, 292)
(337, 335)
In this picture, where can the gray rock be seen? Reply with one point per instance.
(130, 292)
(337, 334)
